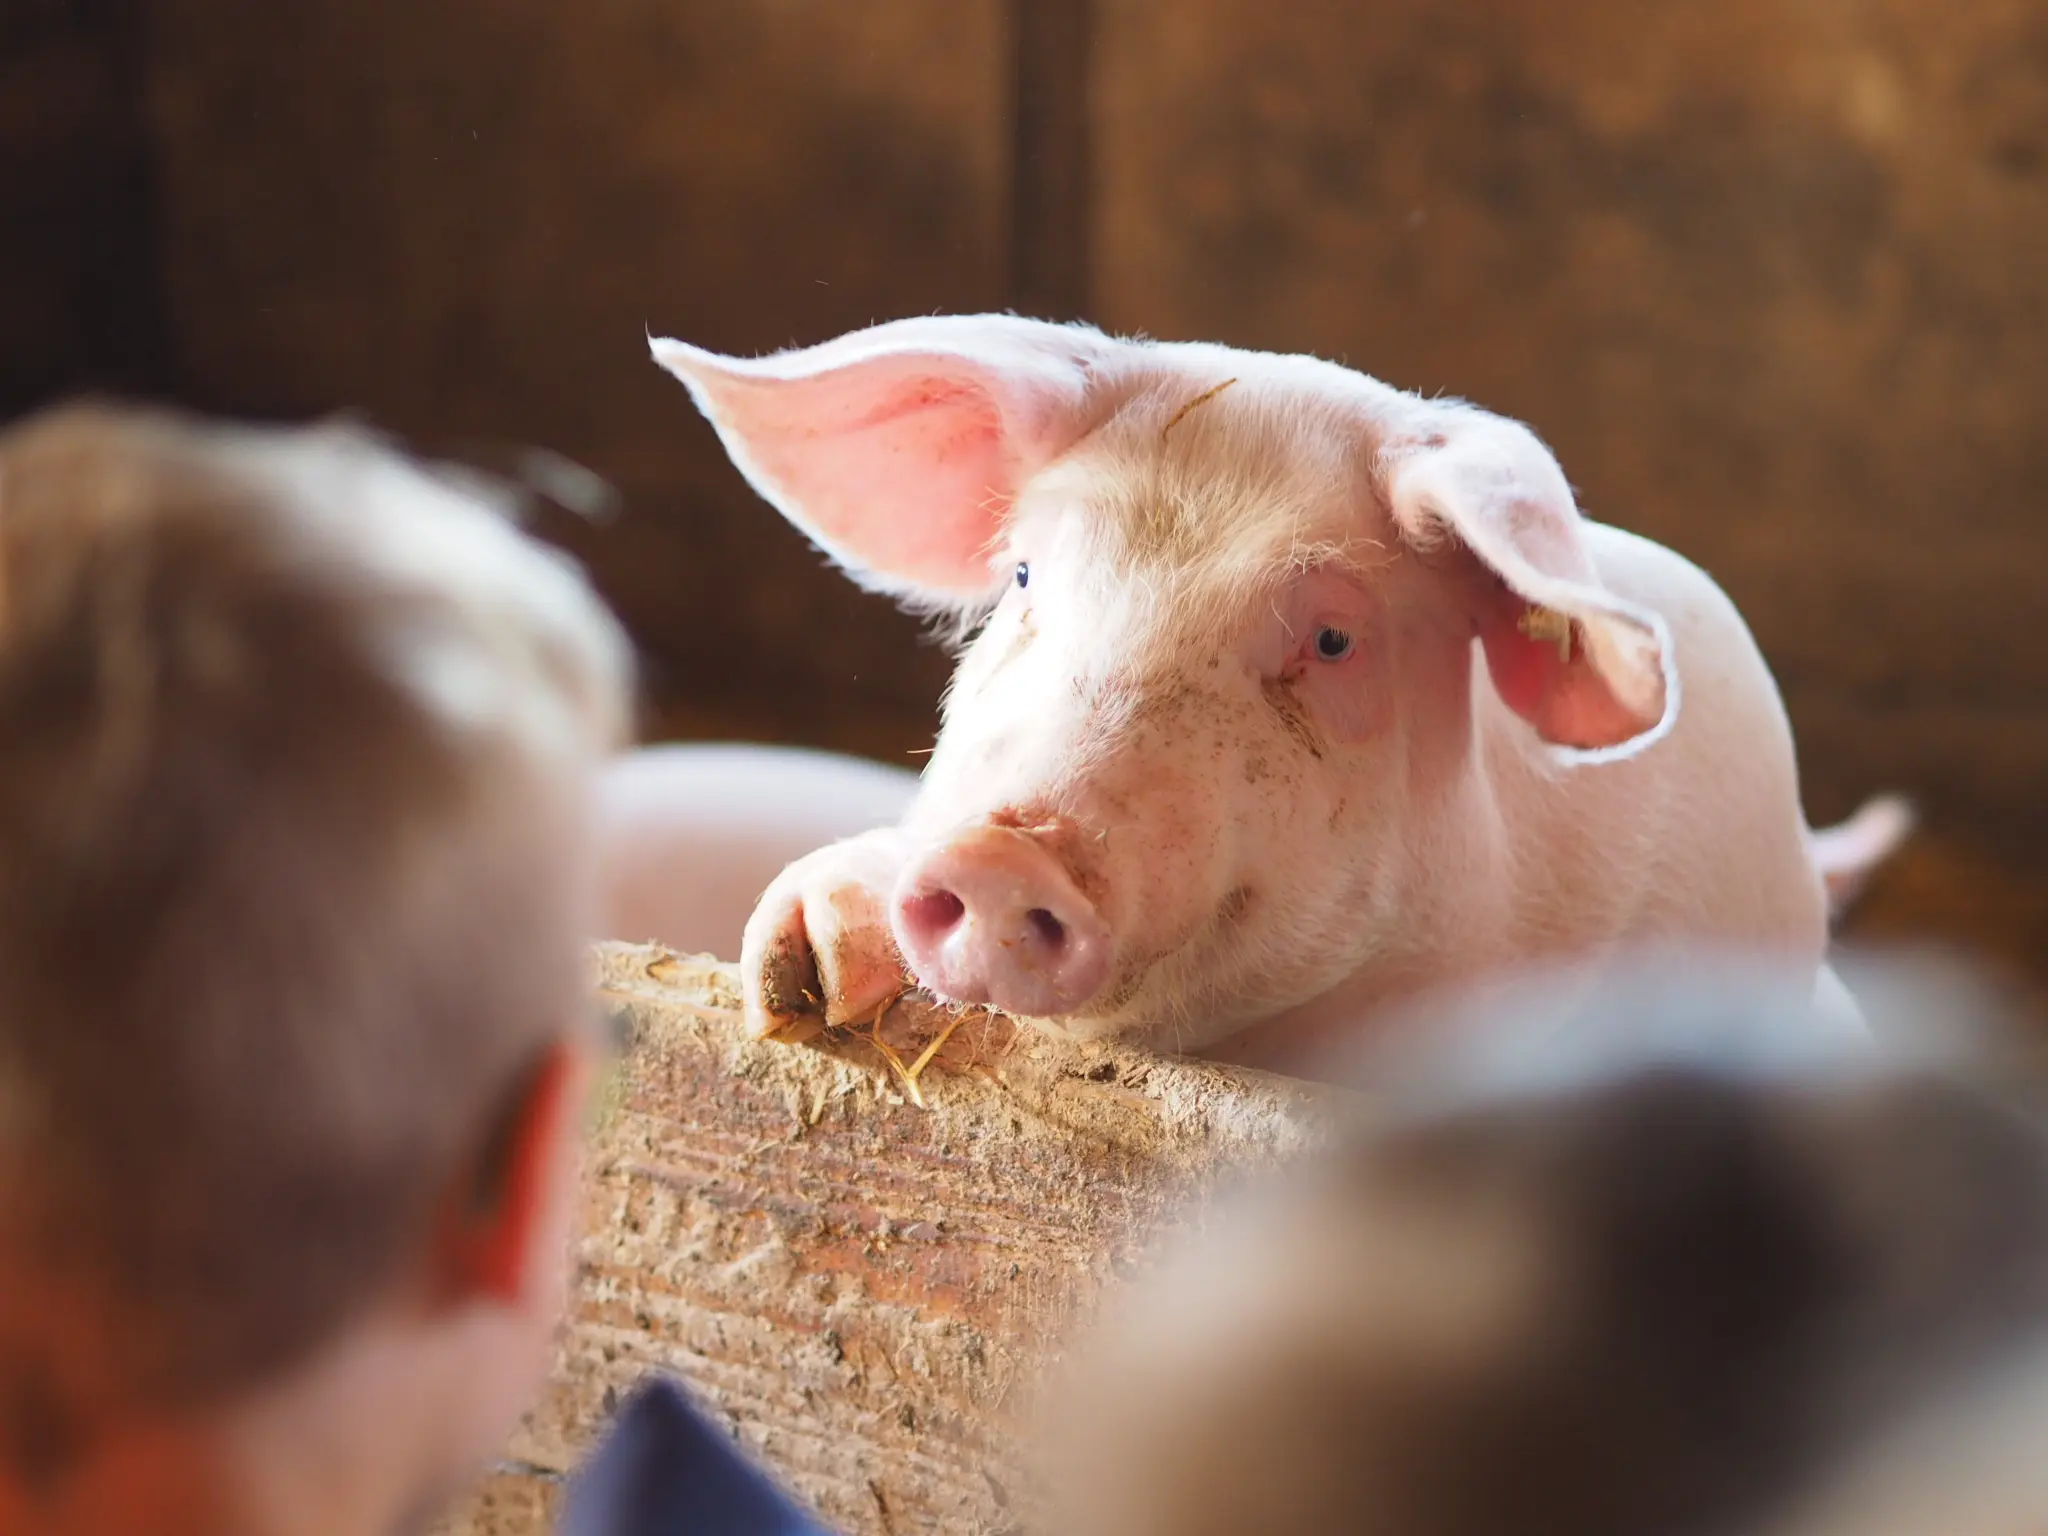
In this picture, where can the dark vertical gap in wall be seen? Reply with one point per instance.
(81, 297)
(1049, 166)
(156, 362)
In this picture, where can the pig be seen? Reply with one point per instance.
(1283, 696)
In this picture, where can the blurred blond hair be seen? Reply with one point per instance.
(286, 725)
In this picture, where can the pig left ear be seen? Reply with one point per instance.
(899, 449)
(1592, 672)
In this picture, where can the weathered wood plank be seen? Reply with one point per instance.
(866, 1288)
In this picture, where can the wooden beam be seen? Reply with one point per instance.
(865, 1288)
(1050, 170)
(80, 306)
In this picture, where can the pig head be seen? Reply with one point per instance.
(1281, 692)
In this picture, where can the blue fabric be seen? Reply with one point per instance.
(665, 1470)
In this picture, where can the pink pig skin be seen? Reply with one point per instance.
(1283, 696)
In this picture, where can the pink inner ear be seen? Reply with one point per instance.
(1564, 698)
(895, 470)
(899, 449)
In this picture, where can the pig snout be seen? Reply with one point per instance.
(989, 916)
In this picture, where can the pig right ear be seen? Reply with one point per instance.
(899, 449)
(1591, 671)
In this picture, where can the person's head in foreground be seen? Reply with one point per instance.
(296, 747)
(1687, 1267)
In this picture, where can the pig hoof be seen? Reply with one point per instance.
(818, 947)
(791, 988)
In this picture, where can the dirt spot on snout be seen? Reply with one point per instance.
(1077, 849)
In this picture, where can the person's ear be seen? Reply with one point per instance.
(507, 1201)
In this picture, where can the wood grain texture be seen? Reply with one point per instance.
(463, 216)
(1767, 277)
(1050, 163)
(866, 1289)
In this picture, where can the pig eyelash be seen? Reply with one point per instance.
(1332, 644)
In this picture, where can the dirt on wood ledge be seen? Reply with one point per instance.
(864, 1286)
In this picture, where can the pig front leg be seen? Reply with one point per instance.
(819, 942)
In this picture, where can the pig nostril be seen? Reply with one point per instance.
(935, 912)
(989, 917)
(1049, 929)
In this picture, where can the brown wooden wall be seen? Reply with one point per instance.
(79, 304)
(1771, 277)
(465, 215)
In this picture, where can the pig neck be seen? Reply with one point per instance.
(1467, 901)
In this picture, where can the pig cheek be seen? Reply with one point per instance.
(1162, 819)
(1346, 705)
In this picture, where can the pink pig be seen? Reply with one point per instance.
(1289, 695)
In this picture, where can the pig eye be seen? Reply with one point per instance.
(1023, 573)
(1333, 644)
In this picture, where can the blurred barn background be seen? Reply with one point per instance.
(1770, 275)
